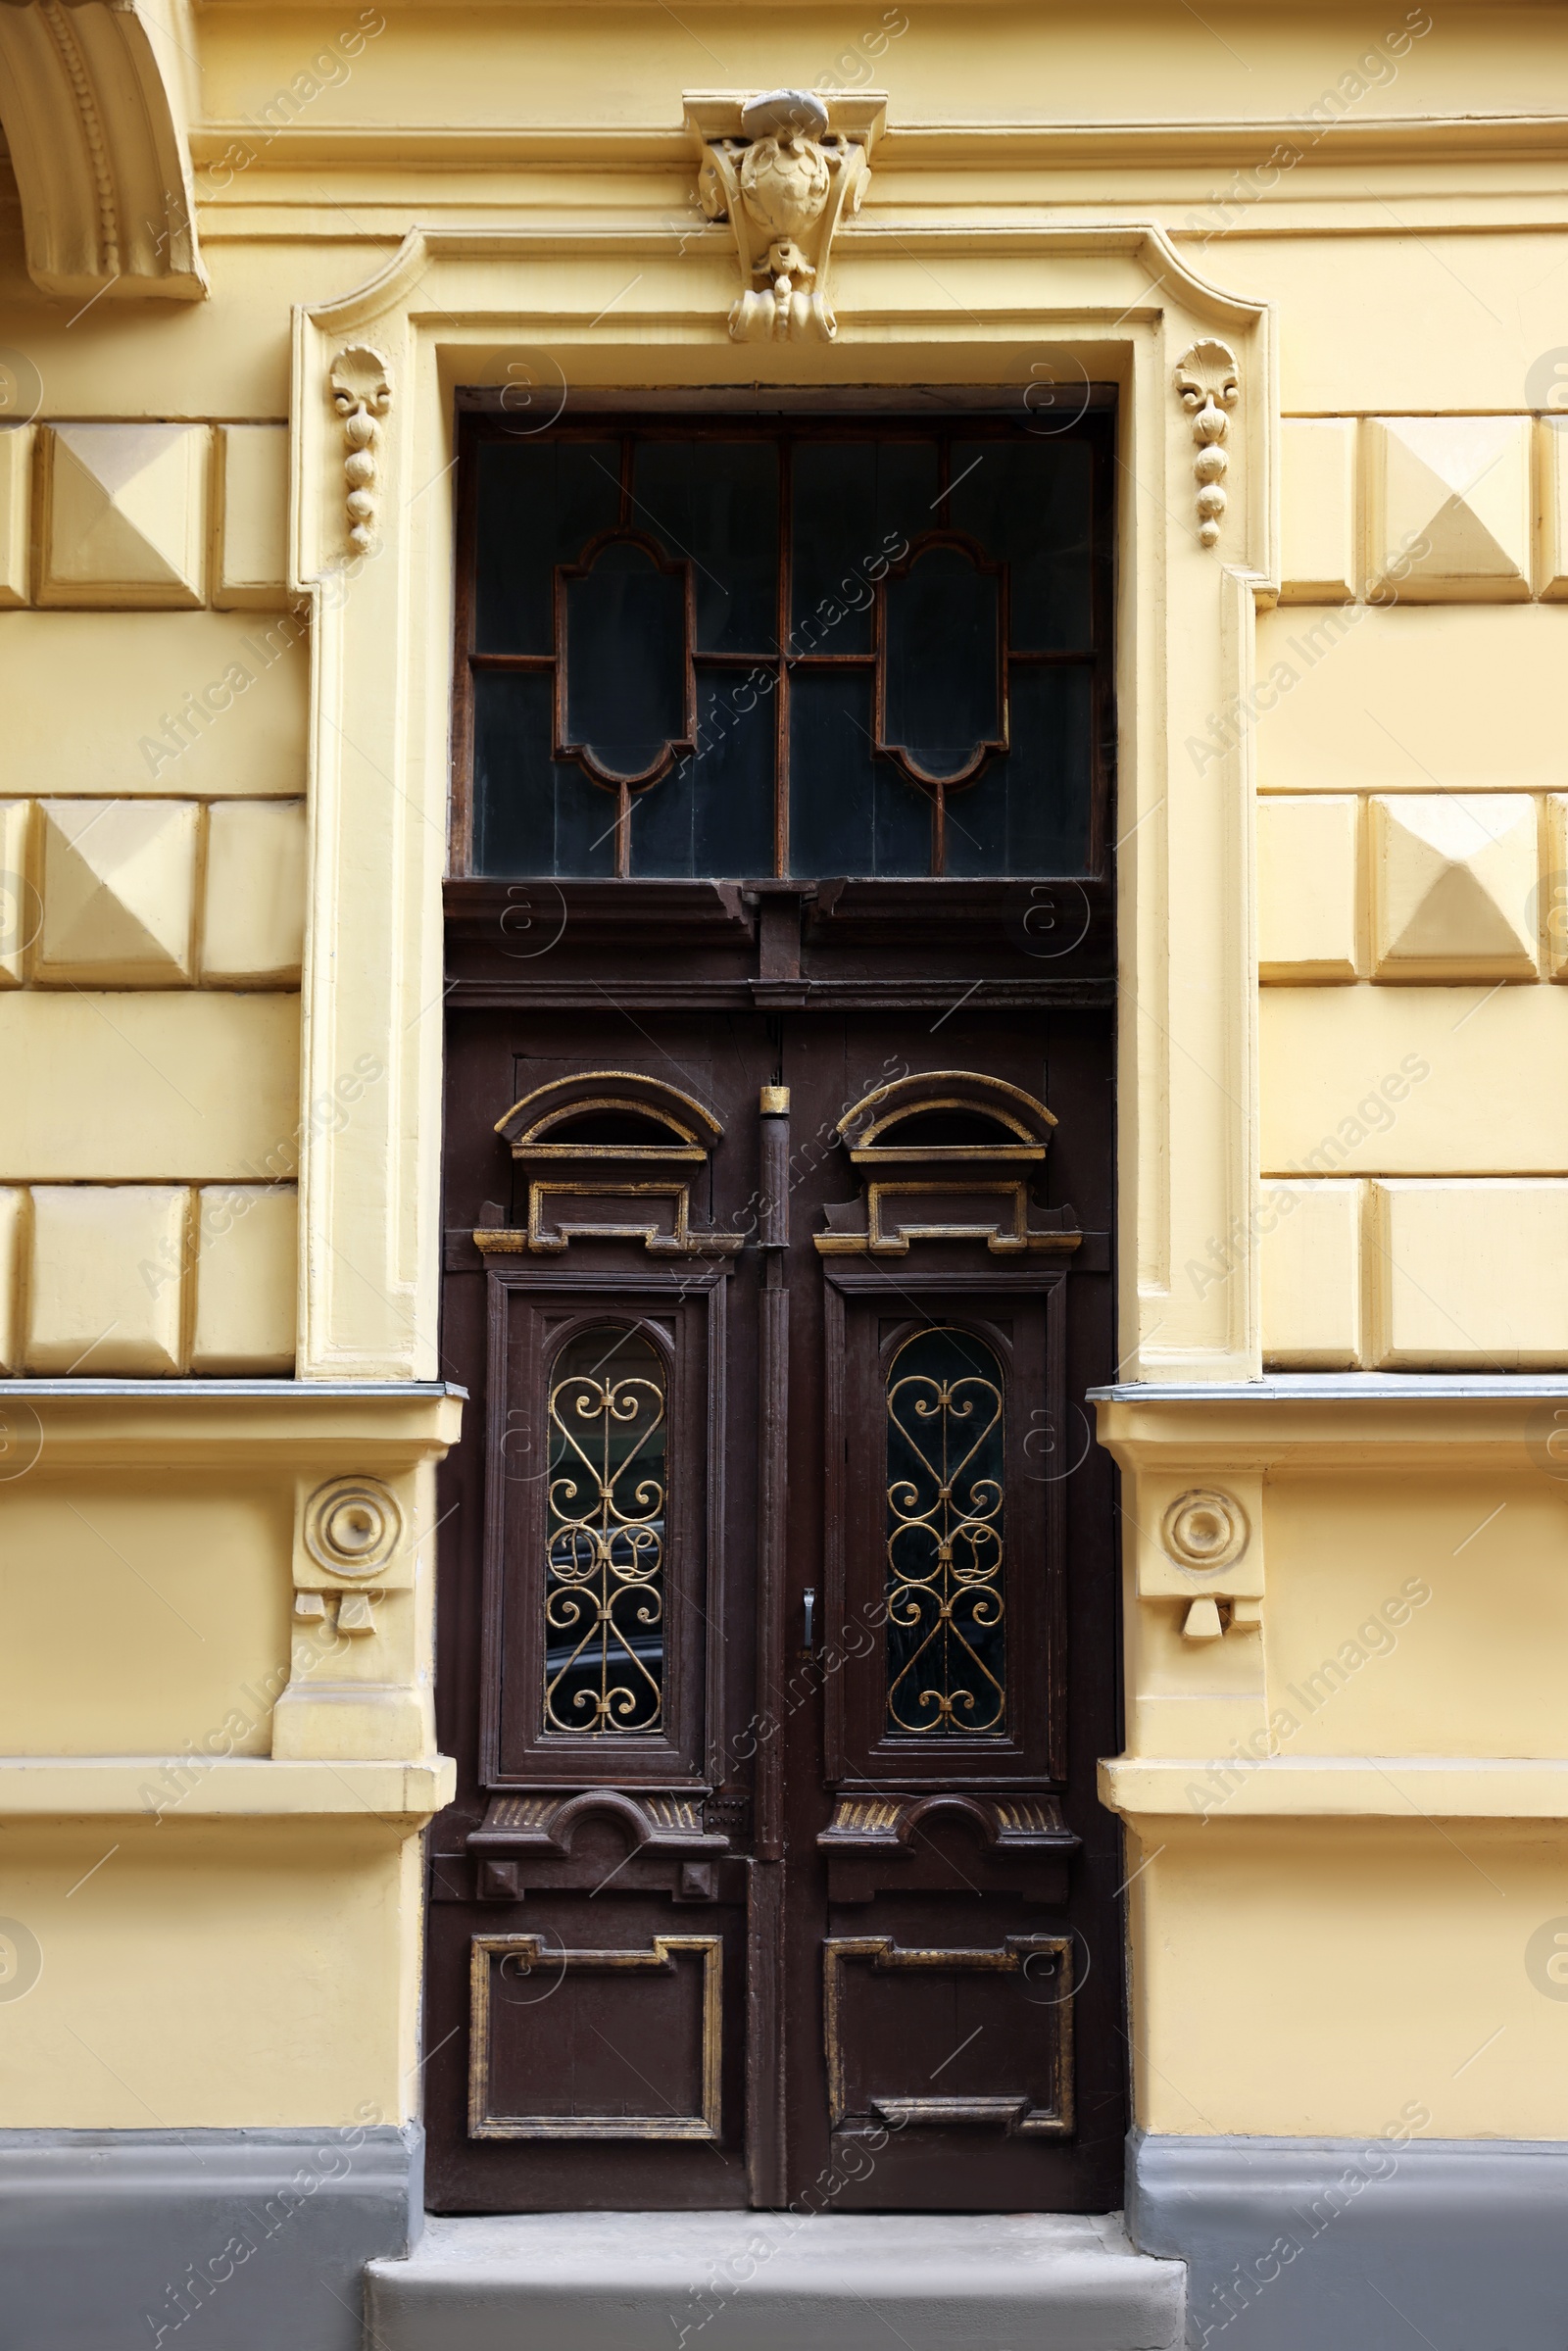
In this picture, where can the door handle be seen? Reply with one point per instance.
(809, 1622)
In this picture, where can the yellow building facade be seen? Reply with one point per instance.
(258, 260)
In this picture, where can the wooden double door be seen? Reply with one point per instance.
(779, 1609)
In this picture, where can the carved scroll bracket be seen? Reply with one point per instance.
(361, 393)
(783, 172)
(1207, 384)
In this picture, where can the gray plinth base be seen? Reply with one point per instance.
(1359, 2245)
(199, 2240)
(772, 2281)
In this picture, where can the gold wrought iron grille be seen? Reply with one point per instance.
(945, 1633)
(604, 1536)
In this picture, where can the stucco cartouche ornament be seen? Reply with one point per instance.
(1207, 384)
(783, 185)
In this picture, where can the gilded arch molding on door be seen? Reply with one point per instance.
(92, 102)
(570, 315)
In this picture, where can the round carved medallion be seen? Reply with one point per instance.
(1204, 1530)
(352, 1525)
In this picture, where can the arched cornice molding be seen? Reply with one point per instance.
(94, 117)
(1170, 273)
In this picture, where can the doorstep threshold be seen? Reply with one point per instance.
(776, 2281)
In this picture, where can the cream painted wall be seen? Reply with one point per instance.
(263, 1971)
(182, 1598)
(266, 1969)
(1316, 1978)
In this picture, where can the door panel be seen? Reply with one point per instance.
(778, 1604)
(835, 1901)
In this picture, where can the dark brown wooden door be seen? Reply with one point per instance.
(777, 1637)
(777, 1857)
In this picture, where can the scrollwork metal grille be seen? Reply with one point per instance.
(604, 1536)
(945, 1635)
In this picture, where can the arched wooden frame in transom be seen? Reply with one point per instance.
(974, 1189)
(633, 1186)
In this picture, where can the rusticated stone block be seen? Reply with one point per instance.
(125, 514)
(118, 885)
(106, 1269)
(1450, 506)
(1454, 886)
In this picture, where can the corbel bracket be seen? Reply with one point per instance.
(783, 168)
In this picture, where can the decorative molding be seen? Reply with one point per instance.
(354, 1531)
(662, 1958)
(1398, 1788)
(884, 1844)
(783, 179)
(236, 1788)
(352, 1525)
(469, 296)
(1205, 143)
(1205, 1532)
(544, 1825)
(1208, 383)
(1043, 2049)
(974, 1191)
(95, 125)
(891, 1823)
(1205, 1529)
(361, 393)
(637, 1189)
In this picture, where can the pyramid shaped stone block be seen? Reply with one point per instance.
(126, 514)
(1450, 508)
(1454, 886)
(119, 892)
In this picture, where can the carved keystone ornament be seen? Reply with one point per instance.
(783, 184)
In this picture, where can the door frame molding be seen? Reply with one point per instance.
(1001, 302)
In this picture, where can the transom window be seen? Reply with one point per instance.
(793, 646)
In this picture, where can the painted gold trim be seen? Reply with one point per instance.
(876, 1241)
(658, 1959)
(1014, 2115)
(656, 1087)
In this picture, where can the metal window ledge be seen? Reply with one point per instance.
(1342, 1388)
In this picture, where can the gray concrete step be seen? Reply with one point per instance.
(775, 2281)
